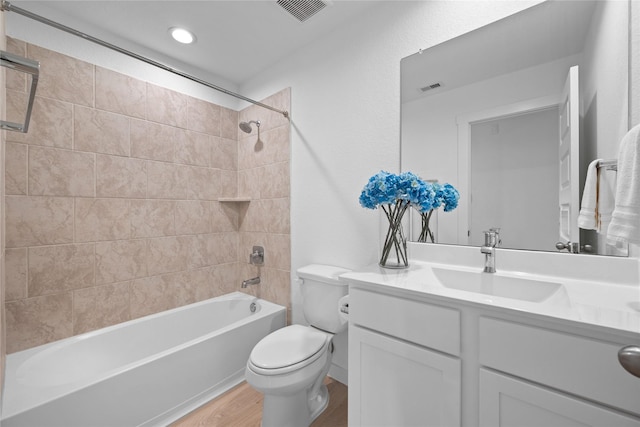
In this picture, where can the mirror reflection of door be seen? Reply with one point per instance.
(513, 179)
(568, 156)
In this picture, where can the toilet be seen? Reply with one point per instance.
(289, 365)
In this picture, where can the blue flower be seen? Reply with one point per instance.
(407, 187)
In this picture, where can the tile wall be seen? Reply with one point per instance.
(112, 200)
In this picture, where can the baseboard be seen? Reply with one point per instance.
(339, 374)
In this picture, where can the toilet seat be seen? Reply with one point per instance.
(288, 349)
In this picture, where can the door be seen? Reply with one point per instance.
(395, 383)
(507, 402)
(569, 156)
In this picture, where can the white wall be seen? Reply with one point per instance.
(346, 122)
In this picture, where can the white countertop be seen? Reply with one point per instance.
(589, 302)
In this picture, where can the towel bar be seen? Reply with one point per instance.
(28, 66)
(610, 165)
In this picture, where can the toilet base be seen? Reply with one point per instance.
(293, 411)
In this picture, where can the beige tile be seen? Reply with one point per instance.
(15, 180)
(225, 278)
(167, 255)
(277, 217)
(148, 296)
(203, 116)
(224, 153)
(15, 274)
(201, 282)
(274, 181)
(167, 180)
(102, 219)
(279, 247)
(51, 121)
(229, 184)
(201, 251)
(203, 183)
(152, 218)
(276, 286)
(33, 221)
(120, 94)
(121, 177)
(153, 141)
(154, 294)
(62, 77)
(166, 106)
(249, 182)
(225, 216)
(270, 119)
(226, 248)
(206, 250)
(16, 80)
(193, 217)
(36, 321)
(100, 131)
(56, 172)
(59, 268)
(192, 148)
(100, 306)
(228, 123)
(273, 147)
(120, 260)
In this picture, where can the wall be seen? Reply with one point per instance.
(112, 201)
(345, 123)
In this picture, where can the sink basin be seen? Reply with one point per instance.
(497, 285)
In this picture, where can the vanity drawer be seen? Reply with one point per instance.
(418, 322)
(573, 363)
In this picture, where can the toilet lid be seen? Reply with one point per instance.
(287, 346)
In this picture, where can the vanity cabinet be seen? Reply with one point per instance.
(404, 375)
(420, 360)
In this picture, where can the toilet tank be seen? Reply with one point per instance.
(321, 290)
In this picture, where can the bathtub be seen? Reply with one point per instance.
(145, 372)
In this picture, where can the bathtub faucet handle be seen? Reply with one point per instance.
(257, 256)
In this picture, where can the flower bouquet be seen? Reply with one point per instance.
(394, 193)
(446, 196)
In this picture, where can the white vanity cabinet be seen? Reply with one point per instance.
(419, 360)
(533, 376)
(403, 376)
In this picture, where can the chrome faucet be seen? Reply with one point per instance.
(254, 281)
(491, 240)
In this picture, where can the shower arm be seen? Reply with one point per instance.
(6, 6)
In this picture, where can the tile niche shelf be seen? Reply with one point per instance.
(234, 199)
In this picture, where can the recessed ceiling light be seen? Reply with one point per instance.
(181, 35)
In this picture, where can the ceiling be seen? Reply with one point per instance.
(236, 40)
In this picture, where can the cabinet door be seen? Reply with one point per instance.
(394, 383)
(509, 402)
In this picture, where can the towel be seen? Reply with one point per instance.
(625, 220)
(597, 199)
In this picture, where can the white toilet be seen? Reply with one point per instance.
(289, 365)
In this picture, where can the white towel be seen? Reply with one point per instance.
(625, 220)
(589, 218)
(597, 199)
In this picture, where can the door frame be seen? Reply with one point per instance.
(464, 122)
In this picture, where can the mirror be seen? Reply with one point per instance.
(484, 112)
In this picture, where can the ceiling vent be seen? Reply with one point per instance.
(430, 87)
(303, 9)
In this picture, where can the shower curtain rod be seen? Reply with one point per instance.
(6, 6)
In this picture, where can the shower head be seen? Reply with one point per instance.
(246, 126)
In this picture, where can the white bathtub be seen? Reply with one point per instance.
(145, 372)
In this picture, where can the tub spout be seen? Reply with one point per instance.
(254, 281)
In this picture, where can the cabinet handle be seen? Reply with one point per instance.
(629, 358)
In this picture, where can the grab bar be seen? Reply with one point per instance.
(28, 66)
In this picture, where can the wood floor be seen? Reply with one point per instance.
(242, 407)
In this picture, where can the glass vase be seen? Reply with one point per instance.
(394, 248)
